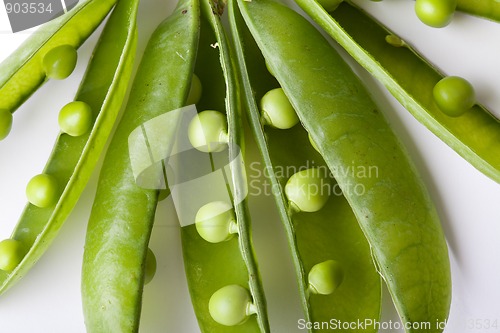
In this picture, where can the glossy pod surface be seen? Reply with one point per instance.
(213, 266)
(22, 72)
(122, 217)
(394, 211)
(475, 135)
(489, 9)
(74, 158)
(331, 232)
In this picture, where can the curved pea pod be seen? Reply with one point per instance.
(394, 210)
(475, 135)
(330, 233)
(123, 212)
(489, 9)
(22, 72)
(73, 159)
(213, 266)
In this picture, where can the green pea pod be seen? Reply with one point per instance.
(331, 233)
(411, 80)
(22, 72)
(122, 216)
(394, 211)
(210, 267)
(489, 9)
(74, 158)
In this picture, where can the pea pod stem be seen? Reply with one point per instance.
(73, 158)
(22, 73)
(411, 79)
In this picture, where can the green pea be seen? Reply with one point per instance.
(75, 118)
(231, 305)
(308, 190)
(215, 222)
(325, 277)
(195, 91)
(435, 13)
(42, 190)
(5, 123)
(269, 68)
(11, 254)
(330, 5)
(150, 269)
(454, 95)
(277, 110)
(312, 142)
(60, 62)
(207, 131)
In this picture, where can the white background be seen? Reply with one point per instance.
(47, 300)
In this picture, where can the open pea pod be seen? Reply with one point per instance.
(73, 158)
(393, 209)
(489, 9)
(474, 135)
(330, 233)
(221, 268)
(124, 208)
(23, 72)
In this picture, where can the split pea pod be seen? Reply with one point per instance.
(26, 69)
(123, 212)
(321, 228)
(221, 269)
(475, 134)
(74, 157)
(395, 211)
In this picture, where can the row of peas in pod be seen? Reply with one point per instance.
(85, 123)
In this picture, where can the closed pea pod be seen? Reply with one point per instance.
(113, 271)
(73, 158)
(411, 79)
(326, 232)
(393, 209)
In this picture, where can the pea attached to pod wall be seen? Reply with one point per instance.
(208, 131)
(308, 190)
(215, 222)
(5, 123)
(11, 254)
(231, 305)
(277, 110)
(42, 190)
(60, 62)
(75, 118)
(324, 278)
(454, 95)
